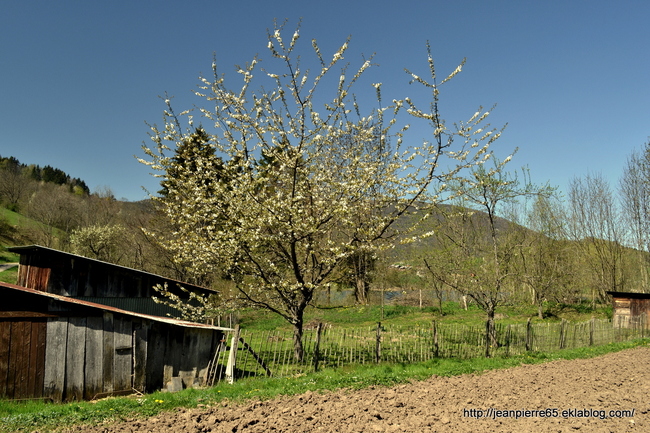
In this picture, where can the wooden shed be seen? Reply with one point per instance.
(66, 349)
(75, 276)
(630, 309)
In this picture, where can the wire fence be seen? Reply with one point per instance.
(271, 353)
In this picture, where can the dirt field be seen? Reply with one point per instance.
(585, 389)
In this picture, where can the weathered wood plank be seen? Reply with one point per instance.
(55, 351)
(141, 334)
(24, 314)
(173, 352)
(5, 338)
(189, 361)
(109, 352)
(33, 360)
(232, 357)
(24, 372)
(75, 358)
(156, 345)
(204, 351)
(15, 358)
(123, 371)
(94, 383)
(39, 371)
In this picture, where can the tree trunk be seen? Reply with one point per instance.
(490, 333)
(362, 264)
(298, 351)
(361, 290)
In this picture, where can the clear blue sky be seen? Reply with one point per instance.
(79, 79)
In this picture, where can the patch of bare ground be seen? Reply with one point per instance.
(585, 389)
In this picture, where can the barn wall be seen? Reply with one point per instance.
(69, 351)
(33, 273)
(68, 275)
(639, 307)
(65, 274)
(86, 357)
(630, 309)
(622, 312)
(22, 357)
(94, 356)
(179, 352)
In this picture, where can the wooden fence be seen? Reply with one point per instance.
(271, 352)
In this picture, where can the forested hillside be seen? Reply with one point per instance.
(17, 178)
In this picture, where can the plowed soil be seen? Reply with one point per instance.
(610, 393)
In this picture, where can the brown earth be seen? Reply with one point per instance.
(614, 382)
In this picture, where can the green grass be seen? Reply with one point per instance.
(13, 218)
(18, 220)
(8, 257)
(16, 228)
(9, 276)
(357, 316)
(32, 415)
(13, 223)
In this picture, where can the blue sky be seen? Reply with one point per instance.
(79, 79)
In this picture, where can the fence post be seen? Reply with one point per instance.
(319, 329)
(378, 343)
(592, 326)
(508, 331)
(529, 336)
(436, 347)
(487, 338)
(232, 358)
(563, 326)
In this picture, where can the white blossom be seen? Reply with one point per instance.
(286, 181)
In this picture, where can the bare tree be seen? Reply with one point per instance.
(595, 226)
(544, 254)
(57, 210)
(481, 247)
(14, 186)
(635, 204)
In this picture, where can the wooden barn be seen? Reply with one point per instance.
(79, 277)
(630, 309)
(65, 349)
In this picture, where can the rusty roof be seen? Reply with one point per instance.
(103, 307)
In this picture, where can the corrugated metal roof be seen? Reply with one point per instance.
(30, 248)
(108, 308)
(137, 305)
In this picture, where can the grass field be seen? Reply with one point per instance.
(9, 276)
(368, 315)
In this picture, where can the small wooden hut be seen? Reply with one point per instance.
(67, 349)
(630, 309)
(79, 277)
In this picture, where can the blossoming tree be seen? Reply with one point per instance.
(303, 180)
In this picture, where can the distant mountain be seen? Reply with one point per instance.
(412, 252)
